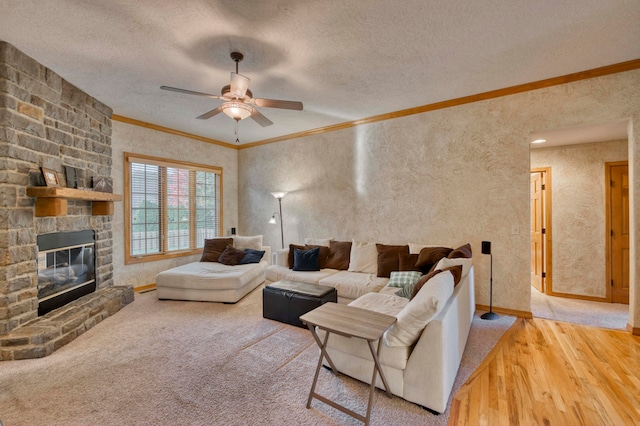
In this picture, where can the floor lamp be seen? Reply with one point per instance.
(486, 249)
(279, 196)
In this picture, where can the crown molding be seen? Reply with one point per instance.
(171, 131)
(555, 81)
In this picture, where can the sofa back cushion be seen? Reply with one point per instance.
(339, 255)
(456, 272)
(213, 248)
(363, 257)
(414, 317)
(461, 261)
(250, 242)
(318, 241)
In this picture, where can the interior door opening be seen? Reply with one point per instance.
(617, 177)
(540, 229)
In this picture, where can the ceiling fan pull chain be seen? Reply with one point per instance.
(237, 139)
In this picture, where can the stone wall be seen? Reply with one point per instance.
(44, 122)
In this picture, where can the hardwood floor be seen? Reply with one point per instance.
(545, 372)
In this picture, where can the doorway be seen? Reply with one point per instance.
(568, 307)
(617, 216)
(541, 229)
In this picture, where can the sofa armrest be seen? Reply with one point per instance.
(282, 257)
(435, 359)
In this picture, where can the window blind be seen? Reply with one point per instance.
(173, 207)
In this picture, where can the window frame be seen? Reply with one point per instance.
(164, 162)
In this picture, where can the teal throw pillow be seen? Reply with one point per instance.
(251, 256)
(406, 291)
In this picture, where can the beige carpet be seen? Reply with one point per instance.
(191, 363)
(576, 311)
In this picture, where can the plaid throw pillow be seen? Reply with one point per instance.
(403, 278)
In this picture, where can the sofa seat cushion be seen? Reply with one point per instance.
(388, 304)
(395, 357)
(351, 285)
(275, 273)
(210, 276)
(392, 356)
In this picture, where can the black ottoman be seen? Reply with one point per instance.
(285, 301)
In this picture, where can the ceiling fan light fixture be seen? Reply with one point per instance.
(237, 110)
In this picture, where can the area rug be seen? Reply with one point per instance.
(195, 363)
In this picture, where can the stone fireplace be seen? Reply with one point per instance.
(47, 122)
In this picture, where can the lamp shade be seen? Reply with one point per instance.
(239, 85)
(279, 195)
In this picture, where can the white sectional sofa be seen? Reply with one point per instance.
(211, 281)
(421, 353)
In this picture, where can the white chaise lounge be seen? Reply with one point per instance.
(211, 281)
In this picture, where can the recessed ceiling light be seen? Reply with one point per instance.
(539, 141)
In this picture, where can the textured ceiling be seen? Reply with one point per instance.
(345, 60)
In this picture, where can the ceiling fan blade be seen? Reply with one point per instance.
(239, 85)
(210, 113)
(274, 103)
(190, 92)
(260, 119)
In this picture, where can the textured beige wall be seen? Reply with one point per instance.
(578, 213)
(140, 140)
(444, 177)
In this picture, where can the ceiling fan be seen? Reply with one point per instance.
(239, 102)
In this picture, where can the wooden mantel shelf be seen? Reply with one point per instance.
(52, 201)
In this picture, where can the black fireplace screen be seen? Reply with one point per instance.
(66, 268)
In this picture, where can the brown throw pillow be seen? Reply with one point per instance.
(322, 256)
(339, 255)
(456, 271)
(231, 256)
(429, 256)
(388, 260)
(292, 249)
(407, 262)
(463, 252)
(213, 248)
(422, 281)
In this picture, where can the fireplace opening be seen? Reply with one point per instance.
(66, 268)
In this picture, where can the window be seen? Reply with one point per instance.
(171, 207)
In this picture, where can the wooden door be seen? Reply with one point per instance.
(537, 231)
(619, 243)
